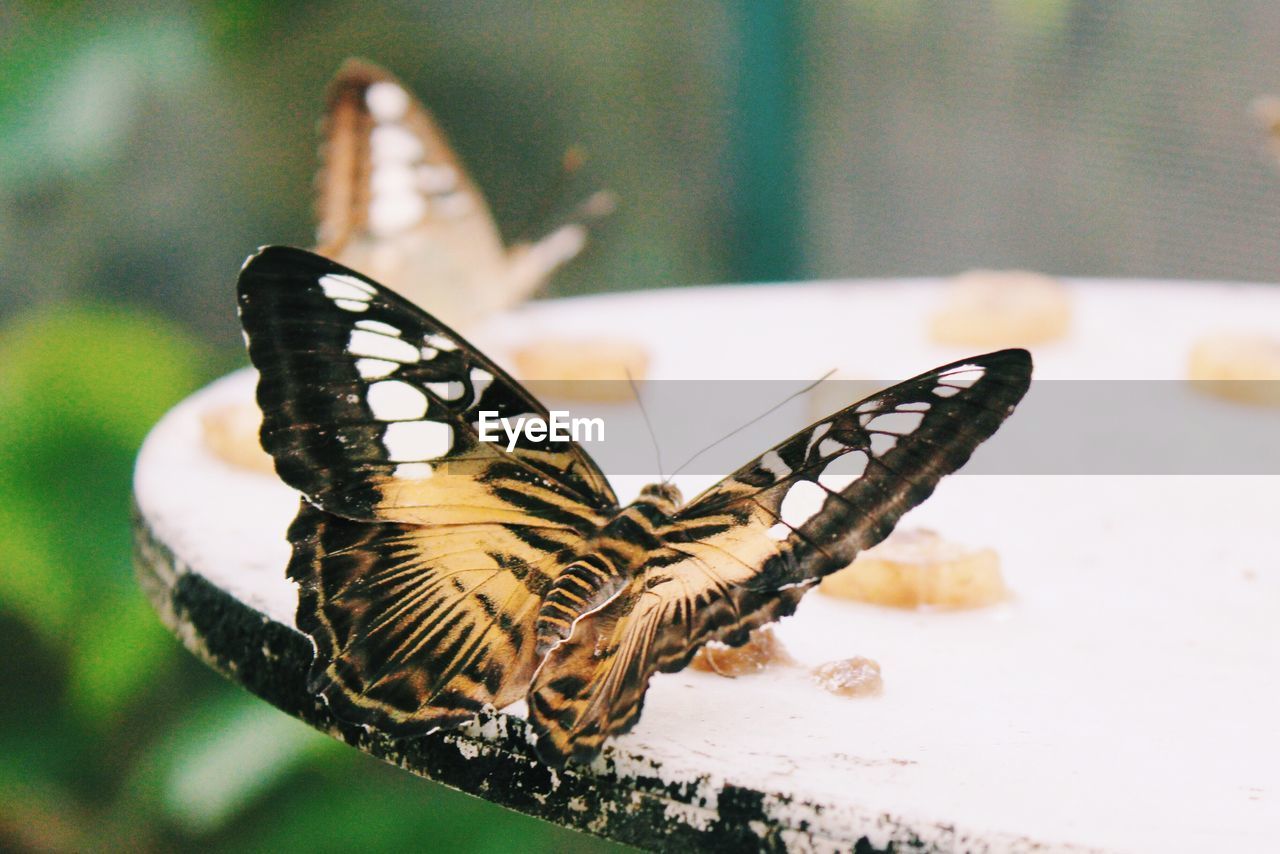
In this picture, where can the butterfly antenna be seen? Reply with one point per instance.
(772, 409)
(653, 437)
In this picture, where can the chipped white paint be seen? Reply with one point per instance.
(365, 343)
(1005, 729)
(394, 400)
(386, 101)
(413, 441)
(803, 501)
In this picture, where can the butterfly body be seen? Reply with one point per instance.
(439, 573)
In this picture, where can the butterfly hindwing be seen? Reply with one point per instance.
(744, 552)
(426, 555)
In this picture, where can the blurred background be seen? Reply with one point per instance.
(146, 148)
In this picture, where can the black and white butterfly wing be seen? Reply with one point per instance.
(395, 202)
(421, 552)
(744, 552)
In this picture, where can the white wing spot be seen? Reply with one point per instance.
(378, 326)
(773, 464)
(898, 422)
(828, 447)
(413, 471)
(480, 380)
(351, 305)
(454, 205)
(866, 406)
(392, 213)
(946, 390)
(818, 433)
(804, 500)
(882, 443)
(964, 376)
(914, 406)
(843, 471)
(375, 346)
(375, 369)
(429, 353)
(447, 391)
(414, 441)
(342, 286)
(442, 342)
(390, 178)
(778, 532)
(436, 179)
(393, 143)
(393, 400)
(386, 101)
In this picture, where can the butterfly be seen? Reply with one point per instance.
(395, 201)
(438, 573)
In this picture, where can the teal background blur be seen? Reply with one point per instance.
(145, 149)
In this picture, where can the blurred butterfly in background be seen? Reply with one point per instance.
(439, 574)
(395, 202)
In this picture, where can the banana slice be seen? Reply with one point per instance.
(917, 567)
(762, 649)
(1243, 367)
(1001, 308)
(231, 432)
(593, 369)
(850, 677)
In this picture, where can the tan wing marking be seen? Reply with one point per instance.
(418, 628)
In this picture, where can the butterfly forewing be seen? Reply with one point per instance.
(427, 553)
(744, 552)
(370, 407)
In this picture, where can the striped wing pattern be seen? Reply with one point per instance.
(743, 553)
(438, 574)
(421, 554)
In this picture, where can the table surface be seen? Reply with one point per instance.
(1124, 698)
